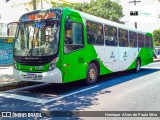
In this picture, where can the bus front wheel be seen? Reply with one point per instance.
(92, 74)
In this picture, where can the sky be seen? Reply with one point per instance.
(144, 26)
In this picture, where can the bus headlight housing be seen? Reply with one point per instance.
(52, 64)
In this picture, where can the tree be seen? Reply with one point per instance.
(106, 9)
(156, 37)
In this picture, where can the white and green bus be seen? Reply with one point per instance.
(64, 45)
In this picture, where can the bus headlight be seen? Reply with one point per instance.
(53, 64)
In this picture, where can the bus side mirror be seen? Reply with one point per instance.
(67, 23)
(11, 28)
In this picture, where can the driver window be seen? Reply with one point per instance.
(73, 38)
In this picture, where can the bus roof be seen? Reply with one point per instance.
(105, 21)
(88, 17)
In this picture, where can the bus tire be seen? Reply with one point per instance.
(92, 74)
(138, 66)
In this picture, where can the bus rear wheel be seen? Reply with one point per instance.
(92, 74)
(138, 65)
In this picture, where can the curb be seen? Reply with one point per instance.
(7, 65)
(15, 85)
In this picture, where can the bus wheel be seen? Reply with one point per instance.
(138, 65)
(92, 74)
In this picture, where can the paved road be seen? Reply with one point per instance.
(117, 92)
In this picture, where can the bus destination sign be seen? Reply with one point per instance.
(41, 15)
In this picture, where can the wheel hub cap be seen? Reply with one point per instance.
(92, 74)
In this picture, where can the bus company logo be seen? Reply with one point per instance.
(6, 114)
(142, 14)
(133, 13)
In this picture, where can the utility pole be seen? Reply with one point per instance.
(135, 2)
(34, 4)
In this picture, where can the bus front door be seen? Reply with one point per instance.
(74, 52)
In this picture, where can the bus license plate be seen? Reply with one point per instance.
(31, 75)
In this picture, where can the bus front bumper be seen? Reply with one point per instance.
(54, 76)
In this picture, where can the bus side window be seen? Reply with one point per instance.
(140, 40)
(132, 39)
(100, 36)
(151, 45)
(110, 35)
(123, 38)
(148, 42)
(73, 38)
(91, 32)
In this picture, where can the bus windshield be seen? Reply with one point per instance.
(37, 38)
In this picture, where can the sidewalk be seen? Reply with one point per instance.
(6, 76)
(7, 80)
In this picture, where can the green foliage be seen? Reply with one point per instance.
(156, 37)
(106, 9)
